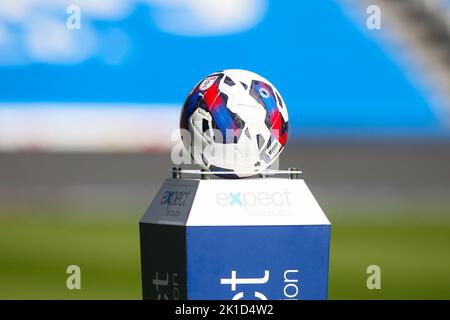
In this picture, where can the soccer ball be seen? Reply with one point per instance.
(235, 121)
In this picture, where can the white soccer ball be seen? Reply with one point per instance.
(236, 121)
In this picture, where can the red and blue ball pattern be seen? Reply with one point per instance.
(214, 101)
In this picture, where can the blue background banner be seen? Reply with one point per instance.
(336, 76)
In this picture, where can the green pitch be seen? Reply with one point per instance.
(35, 250)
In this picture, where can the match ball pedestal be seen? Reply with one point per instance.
(225, 239)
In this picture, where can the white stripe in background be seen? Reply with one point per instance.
(87, 127)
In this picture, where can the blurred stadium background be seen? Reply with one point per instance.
(86, 117)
